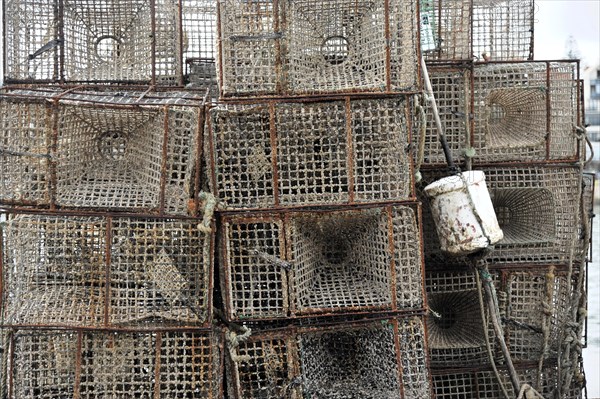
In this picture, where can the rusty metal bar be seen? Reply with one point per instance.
(59, 62)
(180, 63)
(63, 212)
(199, 153)
(77, 384)
(11, 369)
(108, 263)
(52, 112)
(388, 55)
(398, 356)
(153, 42)
(219, 46)
(408, 106)
(392, 253)
(548, 111)
(157, 366)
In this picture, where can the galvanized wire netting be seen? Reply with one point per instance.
(500, 30)
(58, 364)
(536, 209)
(99, 151)
(358, 360)
(506, 112)
(317, 153)
(318, 263)
(88, 41)
(310, 47)
(97, 272)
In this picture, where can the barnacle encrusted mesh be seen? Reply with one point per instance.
(509, 112)
(58, 364)
(359, 360)
(110, 151)
(57, 272)
(334, 262)
(199, 25)
(500, 30)
(311, 47)
(90, 41)
(536, 209)
(455, 325)
(290, 154)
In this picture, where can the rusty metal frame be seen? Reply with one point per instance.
(108, 218)
(216, 352)
(290, 312)
(150, 99)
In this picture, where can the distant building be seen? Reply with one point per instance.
(591, 76)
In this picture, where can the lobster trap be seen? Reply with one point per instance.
(537, 209)
(289, 154)
(504, 112)
(102, 151)
(117, 272)
(276, 265)
(483, 383)
(115, 41)
(535, 307)
(464, 30)
(47, 364)
(290, 48)
(380, 359)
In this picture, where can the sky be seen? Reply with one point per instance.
(556, 20)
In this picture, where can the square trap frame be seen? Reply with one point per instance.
(102, 151)
(367, 360)
(309, 153)
(105, 272)
(296, 264)
(538, 209)
(506, 112)
(466, 30)
(292, 48)
(53, 364)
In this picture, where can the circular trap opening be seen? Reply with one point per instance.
(112, 145)
(108, 47)
(335, 49)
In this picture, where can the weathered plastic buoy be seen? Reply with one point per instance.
(463, 213)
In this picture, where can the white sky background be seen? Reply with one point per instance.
(555, 20)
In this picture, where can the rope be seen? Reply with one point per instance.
(548, 310)
(582, 134)
(527, 392)
(423, 131)
(210, 203)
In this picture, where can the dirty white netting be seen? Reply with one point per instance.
(310, 47)
(376, 360)
(468, 29)
(334, 262)
(315, 153)
(61, 364)
(57, 272)
(98, 151)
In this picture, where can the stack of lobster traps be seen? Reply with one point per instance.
(519, 121)
(106, 258)
(319, 230)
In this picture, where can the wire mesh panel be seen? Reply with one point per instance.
(505, 112)
(61, 364)
(479, 29)
(96, 272)
(321, 262)
(307, 47)
(99, 150)
(358, 360)
(536, 209)
(273, 155)
(115, 41)
(587, 216)
(199, 20)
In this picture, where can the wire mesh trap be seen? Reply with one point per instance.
(285, 154)
(536, 209)
(305, 47)
(498, 30)
(105, 272)
(373, 360)
(288, 265)
(60, 364)
(523, 112)
(114, 41)
(469, 384)
(99, 150)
